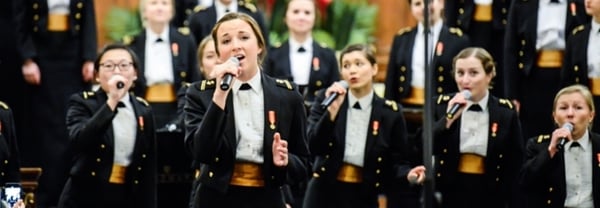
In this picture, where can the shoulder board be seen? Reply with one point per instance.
(506, 103)
(199, 8)
(88, 94)
(456, 31)
(404, 30)
(392, 104)
(184, 30)
(127, 39)
(443, 98)
(578, 29)
(284, 83)
(248, 6)
(187, 84)
(3, 105)
(543, 137)
(207, 84)
(142, 101)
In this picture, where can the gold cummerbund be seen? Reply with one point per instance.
(550, 59)
(58, 22)
(161, 93)
(471, 163)
(117, 175)
(416, 96)
(595, 85)
(247, 174)
(350, 173)
(482, 13)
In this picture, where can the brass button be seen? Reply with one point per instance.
(440, 90)
(402, 78)
(441, 69)
(445, 150)
(323, 169)
(139, 168)
(78, 15)
(401, 89)
(318, 83)
(441, 162)
(210, 174)
(379, 159)
(98, 160)
(461, 11)
(216, 159)
(377, 184)
(143, 155)
(331, 144)
(440, 78)
(439, 175)
(93, 173)
(576, 68)
(136, 182)
(523, 42)
(183, 74)
(520, 65)
(403, 68)
(79, 5)
(377, 171)
(102, 146)
(36, 17)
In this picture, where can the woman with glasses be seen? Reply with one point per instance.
(111, 134)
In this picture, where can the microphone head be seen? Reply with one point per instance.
(344, 83)
(235, 60)
(467, 94)
(568, 126)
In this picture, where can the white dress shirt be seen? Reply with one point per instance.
(578, 173)
(484, 2)
(593, 51)
(300, 61)
(249, 112)
(474, 128)
(59, 6)
(357, 127)
(223, 9)
(552, 18)
(124, 132)
(418, 62)
(158, 60)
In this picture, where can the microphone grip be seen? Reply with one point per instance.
(328, 100)
(561, 143)
(120, 85)
(453, 110)
(226, 82)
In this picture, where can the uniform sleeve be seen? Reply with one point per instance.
(88, 32)
(510, 51)
(83, 125)
(8, 129)
(320, 127)
(391, 79)
(205, 125)
(537, 163)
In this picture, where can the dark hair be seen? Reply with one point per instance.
(368, 51)
(255, 28)
(489, 67)
(116, 46)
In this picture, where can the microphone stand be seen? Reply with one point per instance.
(427, 198)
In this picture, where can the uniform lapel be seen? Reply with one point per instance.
(340, 127)
(595, 167)
(141, 121)
(284, 51)
(271, 111)
(109, 136)
(375, 120)
(494, 121)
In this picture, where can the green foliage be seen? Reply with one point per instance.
(122, 22)
(345, 22)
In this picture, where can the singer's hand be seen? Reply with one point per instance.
(334, 108)
(416, 175)
(113, 92)
(219, 71)
(31, 72)
(556, 135)
(87, 71)
(280, 151)
(458, 98)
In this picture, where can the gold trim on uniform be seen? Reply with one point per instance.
(550, 59)
(350, 173)
(58, 22)
(471, 163)
(595, 85)
(247, 174)
(161, 93)
(483, 13)
(416, 96)
(117, 175)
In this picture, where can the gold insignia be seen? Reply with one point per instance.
(127, 39)
(456, 31)
(284, 83)
(506, 103)
(142, 101)
(392, 104)
(248, 6)
(543, 137)
(3, 105)
(184, 30)
(404, 30)
(443, 98)
(578, 29)
(88, 94)
(199, 8)
(207, 84)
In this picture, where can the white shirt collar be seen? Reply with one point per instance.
(220, 7)
(584, 141)
(435, 28)
(307, 45)
(152, 37)
(595, 28)
(254, 82)
(483, 103)
(365, 102)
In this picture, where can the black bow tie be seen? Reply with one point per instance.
(245, 86)
(356, 106)
(475, 107)
(301, 50)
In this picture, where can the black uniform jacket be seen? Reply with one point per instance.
(399, 71)
(203, 20)
(9, 152)
(520, 54)
(504, 150)
(575, 67)
(385, 161)
(544, 177)
(89, 122)
(210, 133)
(184, 58)
(82, 26)
(324, 67)
(460, 13)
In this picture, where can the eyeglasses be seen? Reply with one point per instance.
(110, 67)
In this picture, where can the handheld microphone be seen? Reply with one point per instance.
(563, 140)
(333, 96)
(226, 82)
(457, 106)
(120, 85)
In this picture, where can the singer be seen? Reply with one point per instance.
(354, 161)
(249, 143)
(569, 174)
(112, 138)
(479, 150)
